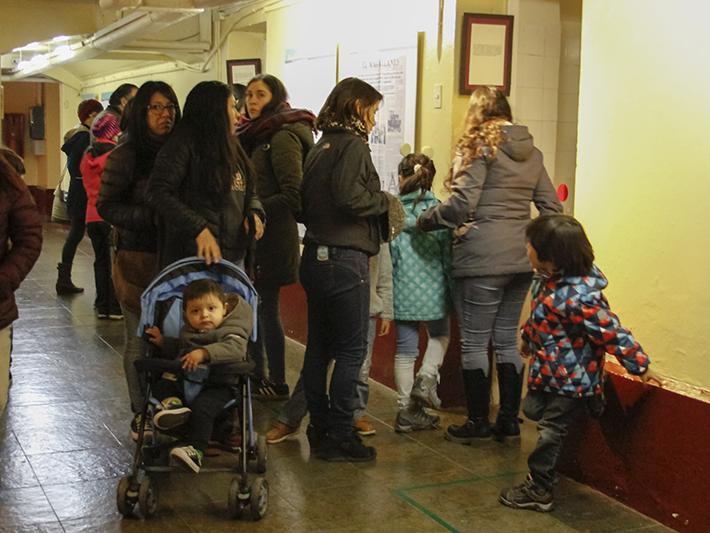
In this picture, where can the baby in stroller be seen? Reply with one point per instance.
(213, 341)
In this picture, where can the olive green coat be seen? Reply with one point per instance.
(279, 172)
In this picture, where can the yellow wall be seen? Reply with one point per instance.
(643, 171)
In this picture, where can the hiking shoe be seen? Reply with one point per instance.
(424, 391)
(168, 419)
(135, 427)
(188, 457)
(414, 418)
(348, 449)
(280, 432)
(264, 389)
(472, 430)
(364, 428)
(527, 495)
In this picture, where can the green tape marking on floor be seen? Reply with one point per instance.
(435, 517)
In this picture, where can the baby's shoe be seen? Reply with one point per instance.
(172, 415)
(424, 391)
(187, 456)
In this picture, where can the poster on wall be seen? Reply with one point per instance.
(393, 72)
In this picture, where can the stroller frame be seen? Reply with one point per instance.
(246, 497)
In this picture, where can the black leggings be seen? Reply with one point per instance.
(76, 233)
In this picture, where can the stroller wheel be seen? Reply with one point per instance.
(259, 498)
(261, 454)
(148, 498)
(237, 500)
(124, 501)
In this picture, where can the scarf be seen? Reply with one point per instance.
(252, 133)
(352, 124)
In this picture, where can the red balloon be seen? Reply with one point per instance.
(562, 192)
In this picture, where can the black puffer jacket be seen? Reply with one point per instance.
(341, 195)
(75, 144)
(186, 206)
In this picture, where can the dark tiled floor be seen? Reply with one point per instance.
(64, 444)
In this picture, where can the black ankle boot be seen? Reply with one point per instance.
(64, 283)
(510, 385)
(477, 387)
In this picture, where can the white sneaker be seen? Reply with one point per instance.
(168, 419)
(188, 457)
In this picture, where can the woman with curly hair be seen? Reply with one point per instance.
(496, 173)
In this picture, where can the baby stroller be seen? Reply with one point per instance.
(161, 304)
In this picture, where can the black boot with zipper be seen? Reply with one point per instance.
(477, 387)
(510, 386)
(64, 283)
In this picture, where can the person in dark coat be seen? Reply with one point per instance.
(496, 174)
(202, 185)
(123, 202)
(343, 207)
(277, 140)
(76, 141)
(20, 246)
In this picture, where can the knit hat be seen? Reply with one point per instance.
(106, 126)
(87, 107)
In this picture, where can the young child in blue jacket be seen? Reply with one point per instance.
(569, 331)
(421, 265)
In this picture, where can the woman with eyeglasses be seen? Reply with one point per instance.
(202, 184)
(123, 202)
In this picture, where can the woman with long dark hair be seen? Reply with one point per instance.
(496, 174)
(277, 139)
(202, 186)
(343, 208)
(123, 202)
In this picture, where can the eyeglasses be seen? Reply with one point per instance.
(159, 108)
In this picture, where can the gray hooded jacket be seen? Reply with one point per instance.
(489, 207)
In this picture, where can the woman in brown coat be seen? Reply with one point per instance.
(20, 245)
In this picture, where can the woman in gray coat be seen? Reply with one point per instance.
(497, 172)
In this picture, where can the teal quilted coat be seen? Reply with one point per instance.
(421, 264)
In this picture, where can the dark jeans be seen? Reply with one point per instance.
(76, 233)
(554, 414)
(271, 335)
(206, 408)
(100, 235)
(337, 285)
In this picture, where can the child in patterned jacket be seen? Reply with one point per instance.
(421, 265)
(567, 335)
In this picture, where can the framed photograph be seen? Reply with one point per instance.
(242, 70)
(486, 52)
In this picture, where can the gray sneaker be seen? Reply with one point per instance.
(527, 495)
(414, 418)
(424, 391)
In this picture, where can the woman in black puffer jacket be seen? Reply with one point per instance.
(123, 202)
(201, 184)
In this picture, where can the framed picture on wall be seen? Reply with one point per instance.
(486, 52)
(242, 70)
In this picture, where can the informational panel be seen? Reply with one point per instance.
(393, 72)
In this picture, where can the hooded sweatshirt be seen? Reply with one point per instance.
(489, 207)
(569, 330)
(92, 166)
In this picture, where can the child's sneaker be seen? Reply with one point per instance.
(280, 432)
(168, 419)
(414, 418)
(527, 495)
(364, 428)
(424, 390)
(135, 428)
(188, 456)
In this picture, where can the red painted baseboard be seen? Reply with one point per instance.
(649, 451)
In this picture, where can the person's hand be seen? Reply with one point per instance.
(192, 359)
(651, 377)
(523, 348)
(154, 335)
(385, 326)
(258, 226)
(207, 247)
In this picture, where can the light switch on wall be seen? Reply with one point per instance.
(437, 96)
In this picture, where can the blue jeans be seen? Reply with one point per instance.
(408, 334)
(489, 307)
(554, 414)
(337, 284)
